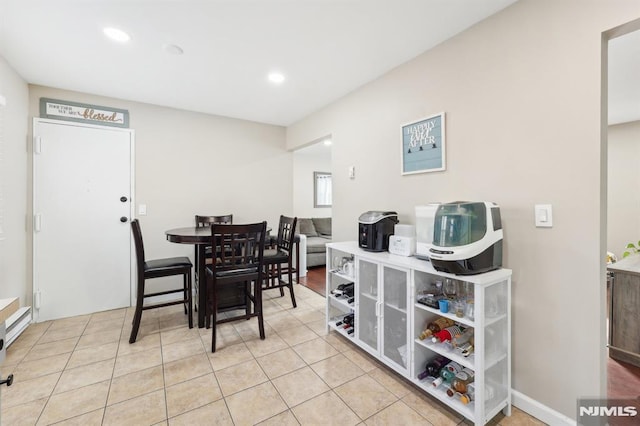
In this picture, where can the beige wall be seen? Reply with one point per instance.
(522, 96)
(189, 163)
(623, 201)
(13, 249)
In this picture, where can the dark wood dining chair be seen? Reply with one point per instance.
(156, 268)
(238, 251)
(204, 221)
(278, 261)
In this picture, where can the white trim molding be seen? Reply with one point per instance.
(539, 410)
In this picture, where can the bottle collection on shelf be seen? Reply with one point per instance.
(348, 323)
(344, 291)
(453, 336)
(453, 379)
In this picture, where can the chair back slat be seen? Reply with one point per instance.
(286, 233)
(238, 248)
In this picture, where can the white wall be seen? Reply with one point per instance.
(189, 163)
(307, 160)
(522, 94)
(13, 249)
(623, 203)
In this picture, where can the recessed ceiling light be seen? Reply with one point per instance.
(173, 49)
(116, 34)
(276, 77)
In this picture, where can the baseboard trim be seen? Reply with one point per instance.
(17, 323)
(539, 410)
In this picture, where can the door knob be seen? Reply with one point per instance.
(123, 219)
(8, 381)
(123, 199)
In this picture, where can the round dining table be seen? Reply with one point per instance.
(199, 236)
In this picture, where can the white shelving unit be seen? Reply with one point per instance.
(338, 306)
(389, 320)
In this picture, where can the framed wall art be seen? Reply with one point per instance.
(83, 113)
(423, 145)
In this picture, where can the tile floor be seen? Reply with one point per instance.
(83, 371)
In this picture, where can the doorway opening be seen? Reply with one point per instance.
(621, 147)
(313, 198)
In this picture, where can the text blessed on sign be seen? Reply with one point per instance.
(83, 113)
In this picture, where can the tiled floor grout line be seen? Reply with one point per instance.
(278, 312)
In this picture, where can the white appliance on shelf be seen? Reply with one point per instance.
(403, 240)
(425, 216)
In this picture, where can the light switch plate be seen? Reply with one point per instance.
(142, 209)
(544, 215)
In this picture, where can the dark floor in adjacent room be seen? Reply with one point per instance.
(315, 279)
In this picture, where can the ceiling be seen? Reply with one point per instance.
(324, 48)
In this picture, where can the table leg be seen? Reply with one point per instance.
(202, 286)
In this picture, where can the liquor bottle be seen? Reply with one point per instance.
(461, 381)
(434, 326)
(433, 367)
(446, 334)
(471, 393)
(447, 374)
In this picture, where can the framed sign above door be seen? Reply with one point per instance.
(83, 113)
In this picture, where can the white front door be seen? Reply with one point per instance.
(82, 203)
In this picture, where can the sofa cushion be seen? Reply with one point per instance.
(317, 244)
(322, 225)
(306, 227)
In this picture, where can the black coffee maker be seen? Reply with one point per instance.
(375, 228)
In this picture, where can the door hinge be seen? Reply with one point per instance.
(37, 222)
(36, 300)
(37, 145)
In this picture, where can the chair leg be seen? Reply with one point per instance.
(290, 273)
(185, 295)
(280, 280)
(213, 306)
(247, 299)
(258, 308)
(137, 316)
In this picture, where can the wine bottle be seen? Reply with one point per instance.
(471, 393)
(447, 374)
(346, 320)
(433, 367)
(446, 334)
(342, 289)
(435, 326)
(461, 381)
